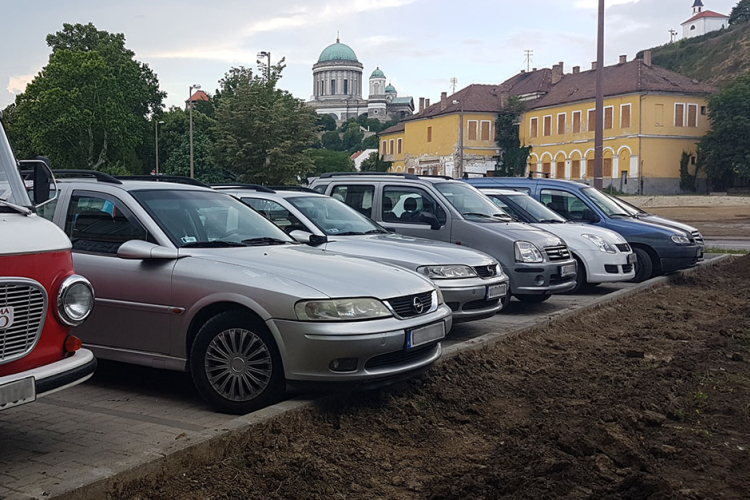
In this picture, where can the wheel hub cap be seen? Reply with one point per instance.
(238, 364)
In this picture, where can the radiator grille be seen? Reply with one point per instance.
(486, 271)
(557, 253)
(28, 301)
(406, 307)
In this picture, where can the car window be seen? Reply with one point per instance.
(334, 217)
(321, 188)
(567, 205)
(100, 223)
(470, 202)
(508, 209)
(276, 213)
(404, 204)
(605, 204)
(359, 197)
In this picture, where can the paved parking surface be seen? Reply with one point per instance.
(126, 415)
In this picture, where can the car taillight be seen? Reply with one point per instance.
(72, 343)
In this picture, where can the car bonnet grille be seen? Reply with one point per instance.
(698, 237)
(29, 302)
(486, 271)
(405, 307)
(557, 253)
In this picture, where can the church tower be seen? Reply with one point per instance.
(697, 7)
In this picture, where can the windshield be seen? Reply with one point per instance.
(334, 217)
(472, 204)
(12, 188)
(194, 218)
(605, 203)
(627, 207)
(526, 208)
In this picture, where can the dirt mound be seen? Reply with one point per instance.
(648, 398)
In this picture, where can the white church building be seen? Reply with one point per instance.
(703, 21)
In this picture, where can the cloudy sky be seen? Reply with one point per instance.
(419, 44)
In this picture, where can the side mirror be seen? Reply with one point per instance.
(41, 177)
(588, 215)
(143, 250)
(428, 218)
(308, 238)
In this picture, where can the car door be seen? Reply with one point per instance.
(569, 205)
(401, 208)
(132, 296)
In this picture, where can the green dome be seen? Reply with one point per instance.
(390, 89)
(337, 52)
(378, 73)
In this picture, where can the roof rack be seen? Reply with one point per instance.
(293, 188)
(99, 176)
(542, 175)
(446, 177)
(239, 185)
(177, 179)
(328, 175)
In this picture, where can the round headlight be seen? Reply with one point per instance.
(75, 300)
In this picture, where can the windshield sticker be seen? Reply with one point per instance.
(189, 239)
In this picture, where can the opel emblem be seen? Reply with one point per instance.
(417, 305)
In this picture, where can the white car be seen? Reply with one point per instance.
(603, 256)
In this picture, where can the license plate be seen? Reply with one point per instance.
(6, 317)
(425, 335)
(567, 270)
(495, 291)
(632, 258)
(17, 393)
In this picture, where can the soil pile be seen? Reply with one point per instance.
(646, 398)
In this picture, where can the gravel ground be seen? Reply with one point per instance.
(647, 398)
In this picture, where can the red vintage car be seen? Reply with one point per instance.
(41, 297)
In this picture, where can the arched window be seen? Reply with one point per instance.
(692, 28)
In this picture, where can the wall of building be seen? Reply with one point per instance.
(704, 25)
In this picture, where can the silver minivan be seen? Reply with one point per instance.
(473, 284)
(538, 263)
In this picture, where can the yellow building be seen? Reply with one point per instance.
(430, 142)
(651, 116)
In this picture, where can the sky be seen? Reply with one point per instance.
(419, 44)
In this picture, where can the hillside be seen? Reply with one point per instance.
(715, 58)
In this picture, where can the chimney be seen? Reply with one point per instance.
(421, 104)
(426, 103)
(557, 74)
(593, 65)
(562, 67)
(443, 100)
(647, 58)
(523, 71)
(576, 70)
(623, 59)
(534, 69)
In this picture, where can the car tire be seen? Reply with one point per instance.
(235, 363)
(581, 282)
(644, 267)
(533, 299)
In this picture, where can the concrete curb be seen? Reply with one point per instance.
(210, 445)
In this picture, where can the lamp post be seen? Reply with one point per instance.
(190, 105)
(156, 133)
(460, 166)
(599, 133)
(267, 55)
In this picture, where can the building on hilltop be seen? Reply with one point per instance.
(197, 97)
(337, 88)
(703, 21)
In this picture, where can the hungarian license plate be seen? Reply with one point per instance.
(632, 258)
(425, 335)
(17, 393)
(495, 291)
(567, 270)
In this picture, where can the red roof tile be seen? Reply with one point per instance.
(705, 13)
(199, 96)
(399, 127)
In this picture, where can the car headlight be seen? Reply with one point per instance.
(681, 240)
(527, 252)
(341, 310)
(75, 300)
(447, 272)
(603, 244)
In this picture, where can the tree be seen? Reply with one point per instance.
(88, 107)
(262, 132)
(740, 13)
(326, 122)
(725, 151)
(331, 140)
(204, 163)
(352, 140)
(375, 163)
(514, 156)
(370, 142)
(330, 161)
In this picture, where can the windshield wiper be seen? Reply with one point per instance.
(265, 240)
(17, 208)
(620, 215)
(213, 244)
(552, 221)
(350, 233)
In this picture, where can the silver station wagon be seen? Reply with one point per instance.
(473, 284)
(191, 279)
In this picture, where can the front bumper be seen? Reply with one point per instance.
(49, 378)
(468, 298)
(307, 348)
(680, 257)
(602, 267)
(523, 276)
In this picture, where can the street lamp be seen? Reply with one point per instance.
(156, 133)
(190, 105)
(267, 55)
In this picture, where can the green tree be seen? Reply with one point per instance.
(375, 163)
(371, 142)
(331, 140)
(373, 125)
(330, 161)
(262, 132)
(204, 163)
(514, 156)
(352, 140)
(176, 130)
(740, 13)
(326, 122)
(88, 107)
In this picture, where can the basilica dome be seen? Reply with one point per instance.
(337, 52)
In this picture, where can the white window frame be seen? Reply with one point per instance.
(573, 120)
(630, 114)
(468, 129)
(544, 128)
(697, 115)
(588, 114)
(557, 125)
(479, 130)
(391, 146)
(604, 117)
(399, 146)
(384, 146)
(533, 120)
(684, 114)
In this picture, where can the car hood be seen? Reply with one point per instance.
(330, 273)
(38, 235)
(571, 232)
(655, 219)
(520, 232)
(407, 251)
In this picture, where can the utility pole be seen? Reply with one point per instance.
(599, 134)
(454, 83)
(460, 166)
(528, 54)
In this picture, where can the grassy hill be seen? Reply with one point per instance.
(715, 58)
